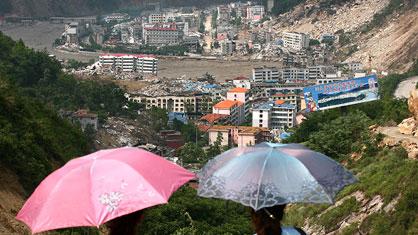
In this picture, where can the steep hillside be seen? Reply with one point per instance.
(384, 31)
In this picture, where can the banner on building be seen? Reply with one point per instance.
(342, 93)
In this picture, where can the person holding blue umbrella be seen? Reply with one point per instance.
(268, 176)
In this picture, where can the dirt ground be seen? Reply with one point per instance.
(41, 35)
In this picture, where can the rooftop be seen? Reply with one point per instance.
(127, 55)
(213, 117)
(239, 90)
(227, 104)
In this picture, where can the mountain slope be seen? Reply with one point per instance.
(383, 30)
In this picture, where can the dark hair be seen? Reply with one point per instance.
(266, 221)
(125, 225)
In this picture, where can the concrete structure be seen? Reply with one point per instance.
(242, 95)
(295, 41)
(234, 109)
(294, 74)
(290, 98)
(146, 64)
(255, 13)
(274, 115)
(85, 118)
(118, 17)
(223, 12)
(355, 66)
(227, 47)
(157, 18)
(162, 34)
(242, 82)
(262, 74)
(240, 136)
(183, 103)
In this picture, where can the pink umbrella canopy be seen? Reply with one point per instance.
(91, 190)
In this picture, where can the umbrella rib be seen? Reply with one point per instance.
(261, 175)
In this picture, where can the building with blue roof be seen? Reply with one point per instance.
(274, 115)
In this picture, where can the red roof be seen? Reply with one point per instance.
(227, 104)
(239, 90)
(278, 102)
(125, 55)
(203, 128)
(213, 117)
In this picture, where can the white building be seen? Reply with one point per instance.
(255, 13)
(294, 74)
(262, 74)
(295, 41)
(274, 115)
(355, 66)
(157, 18)
(146, 64)
(242, 82)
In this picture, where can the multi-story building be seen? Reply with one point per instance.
(242, 82)
(295, 41)
(262, 74)
(146, 64)
(290, 98)
(162, 34)
(227, 47)
(191, 103)
(242, 95)
(355, 66)
(241, 136)
(235, 110)
(118, 17)
(255, 13)
(157, 18)
(274, 115)
(294, 74)
(223, 12)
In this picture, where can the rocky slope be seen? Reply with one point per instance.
(391, 44)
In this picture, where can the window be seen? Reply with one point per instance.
(261, 125)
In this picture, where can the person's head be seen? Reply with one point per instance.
(266, 221)
(126, 225)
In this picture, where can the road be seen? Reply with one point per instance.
(405, 87)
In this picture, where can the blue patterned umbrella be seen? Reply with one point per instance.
(271, 174)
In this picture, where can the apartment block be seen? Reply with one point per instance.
(295, 41)
(235, 110)
(274, 115)
(163, 34)
(262, 74)
(255, 13)
(294, 74)
(146, 64)
(242, 95)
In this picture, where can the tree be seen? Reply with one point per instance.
(192, 153)
(216, 148)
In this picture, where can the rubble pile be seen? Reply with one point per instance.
(311, 19)
(163, 87)
(117, 132)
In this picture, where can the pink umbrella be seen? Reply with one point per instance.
(91, 190)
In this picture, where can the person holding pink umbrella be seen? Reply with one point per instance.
(100, 187)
